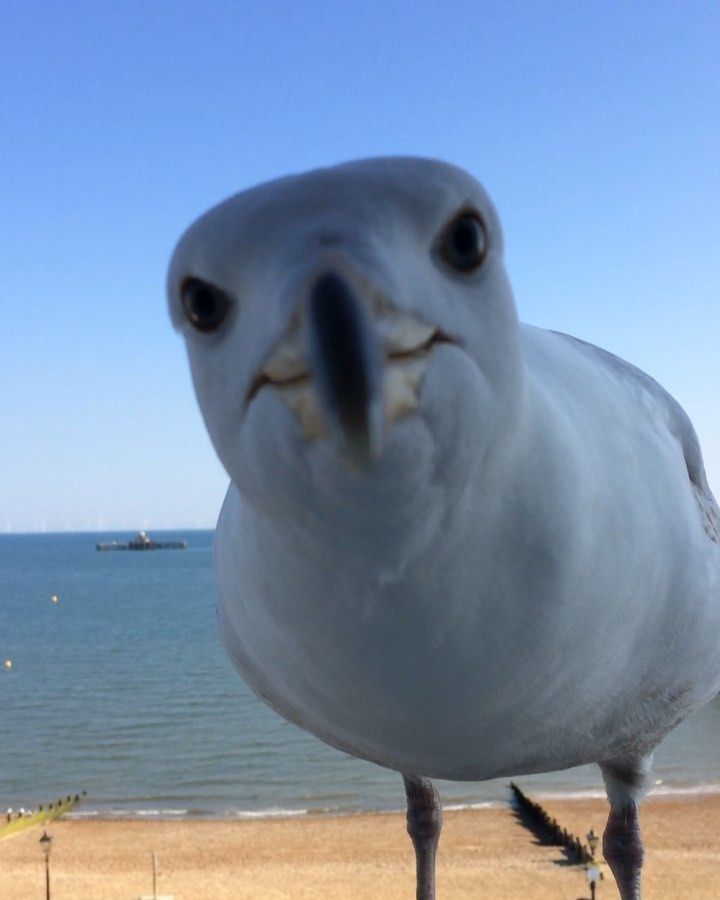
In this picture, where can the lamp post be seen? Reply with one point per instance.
(592, 840)
(45, 843)
(592, 871)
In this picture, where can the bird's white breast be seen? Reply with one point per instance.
(564, 608)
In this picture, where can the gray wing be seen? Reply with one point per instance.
(678, 422)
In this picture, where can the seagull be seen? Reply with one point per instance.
(455, 545)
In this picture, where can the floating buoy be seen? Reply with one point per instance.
(54, 598)
(8, 664)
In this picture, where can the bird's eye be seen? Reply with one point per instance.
(463, 243)
(205, 305)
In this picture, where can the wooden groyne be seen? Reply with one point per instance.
(13, 822)
(548, 830)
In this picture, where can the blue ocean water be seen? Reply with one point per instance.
(122, 689)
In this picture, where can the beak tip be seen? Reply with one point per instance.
(362, 447)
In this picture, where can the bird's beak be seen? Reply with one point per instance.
(350, 363)
(346, 359)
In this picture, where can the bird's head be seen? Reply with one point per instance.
(352, 326)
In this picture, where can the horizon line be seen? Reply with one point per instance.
(122, 530)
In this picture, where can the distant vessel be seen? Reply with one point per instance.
(142, 542)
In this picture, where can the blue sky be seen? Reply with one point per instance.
(595, 127)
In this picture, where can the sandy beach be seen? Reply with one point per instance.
(483, 854)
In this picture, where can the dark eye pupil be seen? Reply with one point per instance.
(464, 242)
(205, 305)
(466, 237)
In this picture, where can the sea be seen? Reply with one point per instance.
(120, 688)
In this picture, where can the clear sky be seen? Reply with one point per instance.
(595, 127)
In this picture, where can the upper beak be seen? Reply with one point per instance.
(346, 359)
(350, 364)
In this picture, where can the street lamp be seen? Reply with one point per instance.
(592, 840)
(592, 871)
(45, 843)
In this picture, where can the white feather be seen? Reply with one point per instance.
(527, 579)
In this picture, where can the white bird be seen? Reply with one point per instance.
(454, 545)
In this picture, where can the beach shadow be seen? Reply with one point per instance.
(544, 838)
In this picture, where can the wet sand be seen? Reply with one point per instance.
(483, 854)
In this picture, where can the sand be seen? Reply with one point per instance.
(483, 854)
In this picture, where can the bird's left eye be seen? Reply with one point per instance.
(205, 305)
(463, 243)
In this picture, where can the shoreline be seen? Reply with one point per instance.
(658, 793)
(484, 853)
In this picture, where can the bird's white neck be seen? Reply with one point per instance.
(383, 521)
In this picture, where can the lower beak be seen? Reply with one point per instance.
(346, 361)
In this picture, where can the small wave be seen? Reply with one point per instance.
(269, 813)
(487, 804)
(692, 789)
(584, 794)
(127, 813)
(162, 812)
(659, 789)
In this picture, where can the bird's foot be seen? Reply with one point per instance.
(623, 849)
(424, 823)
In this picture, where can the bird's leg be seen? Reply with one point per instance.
(623, 849)
(626, 782)
(424, 823)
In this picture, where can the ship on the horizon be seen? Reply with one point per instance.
(142, 542)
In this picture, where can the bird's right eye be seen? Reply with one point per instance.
(205, 305)
(463, 243)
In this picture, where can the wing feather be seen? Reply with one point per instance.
(678, 424)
